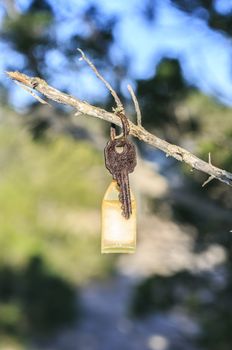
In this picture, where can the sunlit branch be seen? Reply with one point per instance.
(136, 103)
(118, 102)
(174, 151)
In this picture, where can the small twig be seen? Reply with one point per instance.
(176, 152)
(210, 178)
(33, 94)
(209, 158)
(136, 104)
(118, 102)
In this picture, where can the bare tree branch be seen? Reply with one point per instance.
(136, 103)
(32, 93)
(174, 151)
(118, 102)
(210, 178)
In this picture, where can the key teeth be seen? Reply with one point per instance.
(122, 196)
(125, 214)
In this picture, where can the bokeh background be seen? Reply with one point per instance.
(57, 292)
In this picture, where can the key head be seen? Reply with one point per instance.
(120, 155)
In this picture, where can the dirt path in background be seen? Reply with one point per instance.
(106, 326)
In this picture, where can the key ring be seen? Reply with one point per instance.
(125, 127)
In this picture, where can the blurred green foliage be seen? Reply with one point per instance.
(31, 300)
(41, 188)
(160, 97)
(162, 293)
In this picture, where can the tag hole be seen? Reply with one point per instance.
(119, 149)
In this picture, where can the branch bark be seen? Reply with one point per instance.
(138, 131)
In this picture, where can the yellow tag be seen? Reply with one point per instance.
(118, 233)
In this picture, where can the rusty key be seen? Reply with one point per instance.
(120, 160)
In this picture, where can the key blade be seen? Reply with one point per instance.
(124, 196)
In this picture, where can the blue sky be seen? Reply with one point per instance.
(205, 54)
